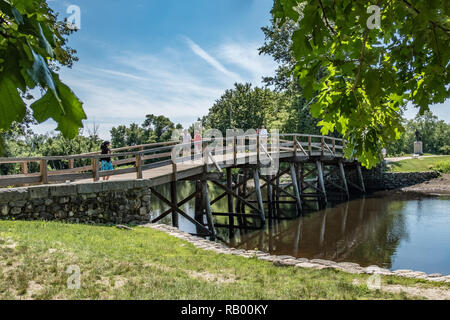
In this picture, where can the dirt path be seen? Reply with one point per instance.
(412, 291)
(436, 186)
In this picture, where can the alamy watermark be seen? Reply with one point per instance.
(73, 22)
(74, 279)
(210, 147)
(374, 21)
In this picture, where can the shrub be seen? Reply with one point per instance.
(443, 166)
(445, 150)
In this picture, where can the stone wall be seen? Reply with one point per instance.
(397, 180)
(111, 202)
(378, 179)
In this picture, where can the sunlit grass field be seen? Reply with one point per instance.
(148, 264)
(437, 163)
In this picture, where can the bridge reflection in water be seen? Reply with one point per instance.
(371, 230)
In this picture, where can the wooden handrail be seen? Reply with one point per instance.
(158, 153)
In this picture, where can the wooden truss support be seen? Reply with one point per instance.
(319, 166)
(173, 197)
(207, 206)
(360, 176)
(176, 208)
(343, 178)
(259, 195)
(296, 188)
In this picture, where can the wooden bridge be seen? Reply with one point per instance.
(306, 159)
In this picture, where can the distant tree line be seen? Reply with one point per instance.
(435, 136)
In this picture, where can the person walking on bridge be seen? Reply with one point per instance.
(263, 136)
(186, 141)
(106, 162)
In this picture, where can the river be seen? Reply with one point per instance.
(392, 230)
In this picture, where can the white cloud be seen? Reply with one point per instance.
(246, 57)
(124, 88)
(212, 61)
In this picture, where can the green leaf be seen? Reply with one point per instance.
(48, 106)
(40, 73)
(44, 42)
(12, 107)
(17, 16)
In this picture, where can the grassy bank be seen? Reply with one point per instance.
(437, 163)
(148, 264)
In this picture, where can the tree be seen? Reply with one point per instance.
(32, 46)
(359, 78)
(242, 107)
(153, 129)
(159, 128)
(123, 136)
(435, 136)
(295, 115)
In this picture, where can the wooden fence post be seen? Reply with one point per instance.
(235, 142)
(309, 145)
(295, 145)
(258, 142)
(95, 169)
(323, 145)
(44, 171)
(24, 166)
(139, 166)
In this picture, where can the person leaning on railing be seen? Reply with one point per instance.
(106, 162)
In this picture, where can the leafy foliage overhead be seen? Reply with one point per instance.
(359, 78)
(32, 45)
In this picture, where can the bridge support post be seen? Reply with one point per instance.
(173, 197)
(259, 195)
(361, 178)
(344, 179)
(296, 190)
(321, 179)
(207, 206)
(230, 201)
(270, 198)
(277, 194)
(199, 210)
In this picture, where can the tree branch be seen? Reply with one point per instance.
(324, 17)
(361, 59)
(417, 11)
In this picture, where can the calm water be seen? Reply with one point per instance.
(395, 231)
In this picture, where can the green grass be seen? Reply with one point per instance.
(438, 163)
(148, 264)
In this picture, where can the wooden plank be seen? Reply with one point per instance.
(157, 156)
(116, 172)
(69, 177)
(19, 180)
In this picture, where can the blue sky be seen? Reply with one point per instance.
(169, 57)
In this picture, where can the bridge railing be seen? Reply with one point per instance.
(140, 158)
